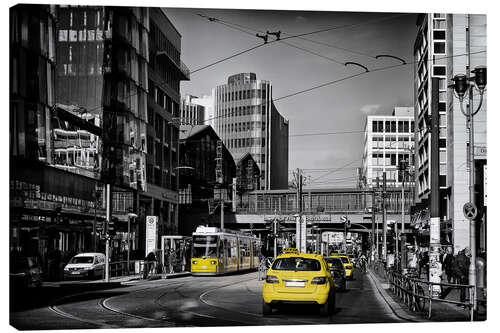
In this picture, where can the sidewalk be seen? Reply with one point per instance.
(440, 311)
(399, 308)
(116, 279)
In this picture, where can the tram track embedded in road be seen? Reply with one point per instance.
(55, 307)
(260, 316)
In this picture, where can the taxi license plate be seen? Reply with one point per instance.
(294, 284)
(203, 267)
(75, 273)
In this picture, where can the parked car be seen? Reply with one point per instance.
(85, 265)
(25, 272)
(337, 269)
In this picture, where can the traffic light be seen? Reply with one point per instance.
(112, 226)
(98, 226)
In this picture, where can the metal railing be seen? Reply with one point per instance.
(418, 294)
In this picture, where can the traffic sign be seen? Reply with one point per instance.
(346, 221)
(470, 210)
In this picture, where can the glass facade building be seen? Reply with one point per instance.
(102, 57)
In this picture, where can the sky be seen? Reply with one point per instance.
(339, 107)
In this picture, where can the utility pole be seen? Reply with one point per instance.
(299, 233)
(222, 213)
(384, 218)
(108, 219)
(403, 165)
(372, 245)
(376, 224)
(472, 182)
(275, 228)
(435, 234)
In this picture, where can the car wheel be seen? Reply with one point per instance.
(266, 308)
(329, 307)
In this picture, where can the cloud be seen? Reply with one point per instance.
(300, 18)
(370, 108)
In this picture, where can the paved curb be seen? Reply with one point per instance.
(393, 305)
(177, 275)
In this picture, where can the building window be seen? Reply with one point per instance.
(439, 70)
(439, 34)
(442, 156)
(439, 48)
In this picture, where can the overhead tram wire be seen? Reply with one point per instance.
(254, 48)
(218, 20)
(309, 89)
(346, 165)
(212, 19)
(229, 25)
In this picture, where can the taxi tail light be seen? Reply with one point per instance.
(319, 280)
(272, 279)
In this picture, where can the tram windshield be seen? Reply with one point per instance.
(204, 247)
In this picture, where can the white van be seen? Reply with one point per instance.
(85, 265)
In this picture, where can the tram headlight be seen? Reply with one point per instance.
(213, 262)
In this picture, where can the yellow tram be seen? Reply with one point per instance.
(216, 252)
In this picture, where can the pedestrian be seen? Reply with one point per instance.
(362, 262)
(149, 264)
(448, 263)
(423, 264)
(461, 270)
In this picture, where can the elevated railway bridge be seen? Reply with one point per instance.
(323, 209)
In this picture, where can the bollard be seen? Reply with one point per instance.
(430, 300)
(471, 303)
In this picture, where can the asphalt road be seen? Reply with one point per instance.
(233, 300)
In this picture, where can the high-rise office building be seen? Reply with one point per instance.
(119, 68)
(51, 209)
(165, 71)
(192, 113)
(102, 58)
(446, 45)
(248, 122)
(388, 140)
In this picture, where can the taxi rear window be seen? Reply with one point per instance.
(296, 264)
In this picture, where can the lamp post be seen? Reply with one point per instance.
(130, 216)
(403, 165)
(463, 85)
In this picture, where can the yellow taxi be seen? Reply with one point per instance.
(299, 278)
(349, 267)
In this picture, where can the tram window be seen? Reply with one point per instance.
(204, 246)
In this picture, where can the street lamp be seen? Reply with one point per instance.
(403, 166)
(130, 216)
(463, 85)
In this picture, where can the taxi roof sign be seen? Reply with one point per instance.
(290, 250)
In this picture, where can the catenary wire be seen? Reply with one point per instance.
(344, 79)
(256, 47)
(311, 40)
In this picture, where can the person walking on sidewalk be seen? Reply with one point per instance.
(149, 264)
(461, 270)
(423, 263)
(448, 263)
